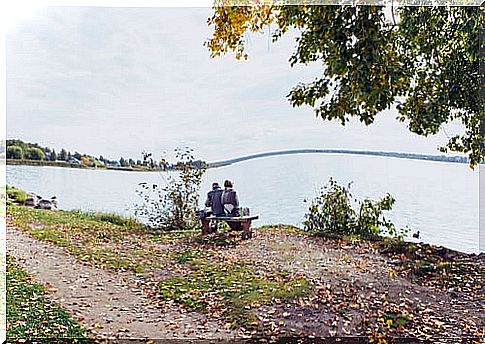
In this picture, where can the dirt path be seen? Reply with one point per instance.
(108, 304)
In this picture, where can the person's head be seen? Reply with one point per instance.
(227, 183)
(215, 185)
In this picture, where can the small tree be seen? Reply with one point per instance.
(15, 152)
(172, 206)
(53, 156)
(63, 155)
(34, 154)
(333, 212)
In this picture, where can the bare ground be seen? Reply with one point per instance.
(357, 287)
(361, 281)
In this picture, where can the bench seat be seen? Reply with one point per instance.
(233, 218)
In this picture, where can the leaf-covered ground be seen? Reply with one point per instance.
(30, 314)
(283, 282)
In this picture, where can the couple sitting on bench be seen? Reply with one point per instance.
(224, 203)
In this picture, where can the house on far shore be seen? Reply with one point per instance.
(74, 161)
(113, 163)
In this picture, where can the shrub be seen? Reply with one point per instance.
(333, 212)
(172, 206)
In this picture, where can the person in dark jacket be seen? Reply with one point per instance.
(214, 200)
(230, 202)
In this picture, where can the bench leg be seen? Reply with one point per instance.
(213, 228)
(246, 227)
(205, 226)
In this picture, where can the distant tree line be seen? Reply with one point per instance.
(18, 149)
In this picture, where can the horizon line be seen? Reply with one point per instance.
(391, 154)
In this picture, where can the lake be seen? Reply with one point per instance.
(439, 199)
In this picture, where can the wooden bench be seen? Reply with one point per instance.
(245, 222)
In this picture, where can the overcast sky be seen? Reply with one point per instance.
(119, 81)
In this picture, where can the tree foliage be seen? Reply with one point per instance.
(15, 152)
(333, 212)
(63, 155)
(33, 153)
(424, 60)
(53, 156)
(86, 161)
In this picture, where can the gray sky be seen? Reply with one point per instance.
(119, 81)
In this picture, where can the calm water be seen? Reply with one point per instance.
(438, 199)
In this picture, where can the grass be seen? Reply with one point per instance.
(30, 314)
(15, 195)
(228, 289)
(71, 224)
(112, 218)
(105, 240)
(425, 267)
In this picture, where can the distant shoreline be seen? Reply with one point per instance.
(411, 156)
(221, 163)
(66, 164)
